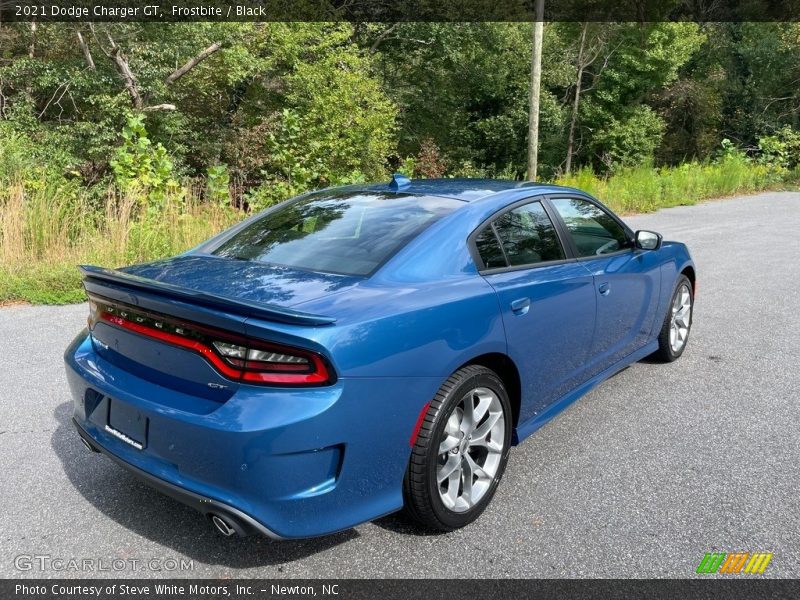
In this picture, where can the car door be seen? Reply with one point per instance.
(626, 280)
(547, 301)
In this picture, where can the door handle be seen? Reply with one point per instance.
(520, 306)
(604, 289)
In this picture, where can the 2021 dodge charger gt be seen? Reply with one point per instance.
(361, 349)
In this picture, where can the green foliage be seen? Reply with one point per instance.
(218, 183)
(339, 131)
(140, 165)
(42, 284)
(294, 164)
(644, 188)
(781, 149)
(315, 115)
(17, 155)
(728, 150)
(21, 157)
(365, 95)
(343, 115)
(465, 86)
(630, 140)
(638, 59)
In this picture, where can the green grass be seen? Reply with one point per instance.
(42, 284)
(47, 229)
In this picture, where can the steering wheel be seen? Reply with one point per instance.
(607, 246)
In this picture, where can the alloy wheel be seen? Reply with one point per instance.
(681, 318)
(471, 448)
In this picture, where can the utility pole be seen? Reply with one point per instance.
(536, 84)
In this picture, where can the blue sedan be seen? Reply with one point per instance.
(363, 349)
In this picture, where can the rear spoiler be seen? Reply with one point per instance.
(94, 279)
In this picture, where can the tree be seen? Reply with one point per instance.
(589, 50)
(294, 105)
(466, 86)
(536, 81)
(624, 128)
(210, 94)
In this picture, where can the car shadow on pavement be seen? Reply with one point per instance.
(398, 523)
(144, 511)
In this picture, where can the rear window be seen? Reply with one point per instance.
(350, 233)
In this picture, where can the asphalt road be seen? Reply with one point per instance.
(639, 478)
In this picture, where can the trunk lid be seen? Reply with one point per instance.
(244, 280)
(139, 314)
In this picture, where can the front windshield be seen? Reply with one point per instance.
(350, 233)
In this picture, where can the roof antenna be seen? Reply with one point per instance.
(399, 181)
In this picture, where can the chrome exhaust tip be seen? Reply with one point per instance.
(222, 525)
(87, 444)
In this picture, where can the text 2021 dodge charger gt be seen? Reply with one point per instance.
(361, 349)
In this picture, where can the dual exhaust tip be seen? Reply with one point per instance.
(88, 445)
(224, 525)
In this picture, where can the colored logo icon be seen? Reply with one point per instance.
(736, 562)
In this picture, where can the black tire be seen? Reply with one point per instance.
(665, 353)
(423, 502)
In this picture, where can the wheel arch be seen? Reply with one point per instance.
(508, 372)
(689, 271)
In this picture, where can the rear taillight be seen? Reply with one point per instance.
(236, 357)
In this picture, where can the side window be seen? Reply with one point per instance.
(527, 235)
(593, 230)
(489, 249)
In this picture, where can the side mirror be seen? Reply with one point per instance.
(648, 240)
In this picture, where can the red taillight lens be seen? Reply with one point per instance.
(236, 357)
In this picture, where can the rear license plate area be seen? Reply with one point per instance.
(127, 424)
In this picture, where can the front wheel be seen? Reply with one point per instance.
(461, 450)
(677, 322)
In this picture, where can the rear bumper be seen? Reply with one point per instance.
(248, 525)
(287, 463)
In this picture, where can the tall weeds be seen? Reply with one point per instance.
(46, 231)
(644, 189)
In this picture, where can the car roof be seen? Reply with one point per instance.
(466, 190)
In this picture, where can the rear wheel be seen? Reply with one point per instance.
(461, 450)
(677, 323)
